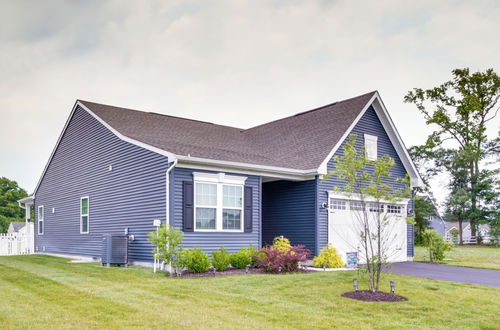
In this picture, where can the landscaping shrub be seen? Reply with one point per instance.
(328, 258)
(196, 260)
(282, 243)
(221, 259)
(454, 235)
(436, 245)
(168, 247)
(274, 260)
(243, 258)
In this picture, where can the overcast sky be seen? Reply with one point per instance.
(238, 63)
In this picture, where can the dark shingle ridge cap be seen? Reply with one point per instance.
(225, 126)
(157, 114)
(315, 109)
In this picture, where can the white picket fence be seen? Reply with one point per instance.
(15, 244)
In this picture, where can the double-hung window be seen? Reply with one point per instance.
(206, 205)
(218, 201)
(232, 207)
(41, 215)
(84, 215)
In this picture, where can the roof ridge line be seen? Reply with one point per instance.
(314, 109)
(162, 114)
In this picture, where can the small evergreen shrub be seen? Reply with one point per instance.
(273, 260)
(328, 258)
(221, 259)
(243, 258)
(195, 260)
(436, 245)
(282, 243)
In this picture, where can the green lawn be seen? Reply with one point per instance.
(466, 256)
(47, 292)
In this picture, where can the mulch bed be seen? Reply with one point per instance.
(234, 271)
(368, 295)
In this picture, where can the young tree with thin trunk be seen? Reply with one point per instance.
(369, 182)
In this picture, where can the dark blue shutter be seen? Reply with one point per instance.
(188, 207)
(248, 209)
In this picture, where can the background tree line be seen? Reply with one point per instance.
(461, 148)
(10, 193)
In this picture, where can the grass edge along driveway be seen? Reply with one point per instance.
(48, 292)
(486, 257)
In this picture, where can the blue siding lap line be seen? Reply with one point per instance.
(131, 195)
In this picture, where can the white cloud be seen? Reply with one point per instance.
(238, 63)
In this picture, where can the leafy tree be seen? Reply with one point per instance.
(167, 241)
(424, 209)
(460, 108)
(436, 245)
(10, 193)
(368, 180)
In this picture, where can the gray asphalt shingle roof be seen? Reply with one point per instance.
(300, 142)
(17, 225)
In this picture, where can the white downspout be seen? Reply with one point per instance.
(167, 174)
(167, 202)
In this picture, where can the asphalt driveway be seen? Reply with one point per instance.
(447, 273)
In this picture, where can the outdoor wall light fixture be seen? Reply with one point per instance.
(393, 286)
(324, 205)
(355, 284)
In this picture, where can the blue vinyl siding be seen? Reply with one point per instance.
(368, 124)
(210, 241)
(131, 195)
(288, 210)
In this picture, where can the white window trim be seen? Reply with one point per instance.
(371, 140)
(82, 215)
(220, 179)
(41, 219)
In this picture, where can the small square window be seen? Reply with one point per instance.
(356, 206)
(395, 209)
(337, 204)
(374, 207)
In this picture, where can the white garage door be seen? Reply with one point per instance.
(345, 227)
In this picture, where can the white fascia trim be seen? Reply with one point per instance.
(219, 178)
(397, 141)
(262, 170)
(390, 128)
(171, 156)
(323, 168)
(357, 197)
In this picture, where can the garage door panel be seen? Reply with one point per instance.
(345, 226)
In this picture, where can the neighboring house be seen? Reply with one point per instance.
(18, 227)
(438, 224)
(115, 170)
(482, 229)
